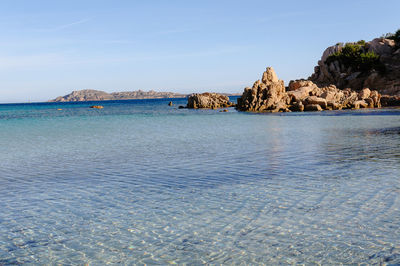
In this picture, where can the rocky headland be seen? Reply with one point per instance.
(96, 95)
(270, 95)
(348, 76)
(374, 64)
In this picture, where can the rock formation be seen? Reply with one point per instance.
(208, 100)
(387, 100)
(266, 95)
(95, 95)
(270, 95)
(383, 74)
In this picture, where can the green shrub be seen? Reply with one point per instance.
(355, 55)
(361, 42)
(396, 37)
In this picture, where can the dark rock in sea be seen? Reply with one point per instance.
(297, 107)
(312, 107)
(387, 100)
(181, 107)
(208, 100)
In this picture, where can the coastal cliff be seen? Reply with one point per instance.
(374, 64)
(96, 95)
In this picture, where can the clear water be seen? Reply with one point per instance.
(141, 182)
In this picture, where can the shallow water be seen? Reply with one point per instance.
(142, 182)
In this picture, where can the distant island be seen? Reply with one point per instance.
(96, 95)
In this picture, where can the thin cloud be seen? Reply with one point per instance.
(30, 61)
(280, 16)
(45, 60)
(66, 26)
(173, 31)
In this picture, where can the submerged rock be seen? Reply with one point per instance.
(209, 101)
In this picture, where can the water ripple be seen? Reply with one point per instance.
(147, 184)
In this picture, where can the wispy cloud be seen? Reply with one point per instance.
(65, 26)
(173, 31)
(30, 61)
(66, 58)
(282, 16)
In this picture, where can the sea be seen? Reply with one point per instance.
(141, 182)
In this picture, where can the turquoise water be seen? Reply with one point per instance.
(141, 182)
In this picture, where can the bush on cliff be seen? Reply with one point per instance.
(355, 55)
(394, 36)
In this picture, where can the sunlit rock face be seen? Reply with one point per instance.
(269, 95)
(386, 79)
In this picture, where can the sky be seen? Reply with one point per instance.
(50, 48)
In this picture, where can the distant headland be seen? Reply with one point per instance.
(97, 95)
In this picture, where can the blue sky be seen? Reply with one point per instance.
(49, 48)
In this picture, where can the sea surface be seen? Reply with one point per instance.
(140, 182)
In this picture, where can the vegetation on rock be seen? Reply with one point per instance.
(356, 56)
(394, 36)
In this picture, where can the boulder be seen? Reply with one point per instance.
(312, 107)
(295, 84)
(208, 100)
(388, 100)
(381, 46)
(267, 95)
(316, 100)
(359, 104)
(364, 94)
(296, 107)
(334, 105)
(376, 97)
(300, 93)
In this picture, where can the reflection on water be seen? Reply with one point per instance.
(145, 183)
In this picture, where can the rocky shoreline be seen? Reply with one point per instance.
(348, 76)
(270, 95)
